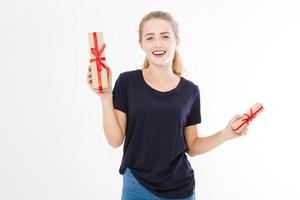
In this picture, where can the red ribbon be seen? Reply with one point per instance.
(248, 118)
(98, 59)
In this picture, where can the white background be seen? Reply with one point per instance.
(52, 144)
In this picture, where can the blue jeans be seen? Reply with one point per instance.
(133, 190)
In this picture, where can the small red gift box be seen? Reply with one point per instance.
(244, 121)
(99, 70)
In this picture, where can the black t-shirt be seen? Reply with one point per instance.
(155, 146)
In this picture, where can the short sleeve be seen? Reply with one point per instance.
(120, 100)
(194, 117)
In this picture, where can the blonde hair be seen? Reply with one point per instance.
(177, 67)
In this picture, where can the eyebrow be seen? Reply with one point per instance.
(160, 33)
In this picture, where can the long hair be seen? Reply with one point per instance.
(177, 67)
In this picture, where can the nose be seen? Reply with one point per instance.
(157, 43)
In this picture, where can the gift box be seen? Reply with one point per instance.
(240, 124)
(99, 69)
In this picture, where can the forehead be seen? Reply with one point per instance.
(157, 26)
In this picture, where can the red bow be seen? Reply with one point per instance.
(248, 118)
(98, 59)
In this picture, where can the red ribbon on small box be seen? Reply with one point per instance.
(248, 117)
(98, 59)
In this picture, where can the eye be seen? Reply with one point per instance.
(150, 38)
(166, 37)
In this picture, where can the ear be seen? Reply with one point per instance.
(177, 41)
(141, 46)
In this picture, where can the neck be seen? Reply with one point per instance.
(160, 73)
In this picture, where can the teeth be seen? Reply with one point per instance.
(158, 52)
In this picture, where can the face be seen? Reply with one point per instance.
(159, 42)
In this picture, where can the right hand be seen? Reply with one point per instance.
(229, 133)
(105, 93)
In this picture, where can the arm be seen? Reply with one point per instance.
(202, 145)
(198, 145)
(114, 122)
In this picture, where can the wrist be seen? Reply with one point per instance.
(106, 98)
(223, 135)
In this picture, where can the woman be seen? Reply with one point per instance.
(156, 111)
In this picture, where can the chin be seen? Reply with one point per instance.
(161, 62)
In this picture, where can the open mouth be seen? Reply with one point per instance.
(158, 53)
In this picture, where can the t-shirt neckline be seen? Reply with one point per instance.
(155, 90)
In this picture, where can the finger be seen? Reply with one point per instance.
(244, 132)
(109, 73)
(89, 72)
(89, 81)
(238, 133)
(109, 78)
(236, 117)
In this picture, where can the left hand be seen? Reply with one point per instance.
(229, 133)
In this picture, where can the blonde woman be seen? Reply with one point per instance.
(156, 110)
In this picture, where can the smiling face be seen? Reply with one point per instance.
(159, 42)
